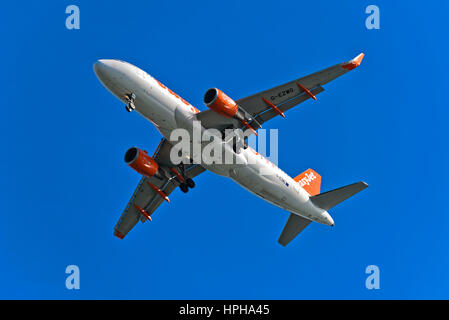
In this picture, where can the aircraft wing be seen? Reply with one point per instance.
(146, 197)
(267, 104)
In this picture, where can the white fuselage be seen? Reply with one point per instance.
(167, 111)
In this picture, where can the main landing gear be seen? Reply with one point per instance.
(130, 98)
(186, 183)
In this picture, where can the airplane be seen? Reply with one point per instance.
(161, 106)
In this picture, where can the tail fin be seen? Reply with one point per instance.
(331, 198)
(310, 181)
(326, 200)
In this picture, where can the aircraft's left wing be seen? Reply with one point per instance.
(146, 197)
(267, 104)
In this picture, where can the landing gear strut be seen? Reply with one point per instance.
(186, 183)
(130, 98)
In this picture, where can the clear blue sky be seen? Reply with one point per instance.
(64, 183)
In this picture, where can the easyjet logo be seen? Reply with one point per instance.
(192, 108)
(309, 177)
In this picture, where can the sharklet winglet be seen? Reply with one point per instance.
(354, 63)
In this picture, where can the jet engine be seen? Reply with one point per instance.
(140, 161)
(218, 101)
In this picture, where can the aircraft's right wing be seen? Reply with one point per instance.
(146, 197)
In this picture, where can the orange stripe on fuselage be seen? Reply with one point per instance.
(192, 108)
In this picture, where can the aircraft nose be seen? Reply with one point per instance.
(101, 68)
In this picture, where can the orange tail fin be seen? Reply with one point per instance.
(310, 181)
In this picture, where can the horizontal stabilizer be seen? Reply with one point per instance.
(293, 227)
(331, 198)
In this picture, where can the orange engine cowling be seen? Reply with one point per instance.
(140, 161)
(220, 103)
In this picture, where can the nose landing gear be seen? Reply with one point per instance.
(130, 98)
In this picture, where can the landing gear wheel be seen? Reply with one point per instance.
(130, 98)
(184, 188)
(130, 107)
(190, 183)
